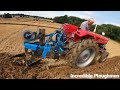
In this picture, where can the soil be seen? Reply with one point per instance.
(11, 44)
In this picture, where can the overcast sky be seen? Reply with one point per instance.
(101, 17)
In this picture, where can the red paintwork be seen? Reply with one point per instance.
(69, 29)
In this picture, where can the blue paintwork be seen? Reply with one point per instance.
(47, 47)
(31, 46)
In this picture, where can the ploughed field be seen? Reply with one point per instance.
(11, 43)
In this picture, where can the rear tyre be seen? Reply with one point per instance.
(82, 54)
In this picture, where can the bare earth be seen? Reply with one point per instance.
(11, 44)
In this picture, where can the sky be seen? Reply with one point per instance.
(100, 17)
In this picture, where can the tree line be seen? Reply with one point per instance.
(8, 15)
(111, 31)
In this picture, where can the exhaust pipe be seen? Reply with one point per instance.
(95, 28)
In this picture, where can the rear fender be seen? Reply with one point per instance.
(82, 34)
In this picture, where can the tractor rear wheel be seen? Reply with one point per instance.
(83, 53)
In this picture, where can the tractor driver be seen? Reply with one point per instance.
(85, 25)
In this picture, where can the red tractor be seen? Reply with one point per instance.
(80, 47)
(85, 47)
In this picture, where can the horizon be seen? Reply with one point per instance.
(100, 17)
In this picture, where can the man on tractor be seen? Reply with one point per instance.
(85, 25)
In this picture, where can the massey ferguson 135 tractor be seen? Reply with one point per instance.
(79, 47)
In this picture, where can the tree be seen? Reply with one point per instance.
(7, 15)
(110, 30)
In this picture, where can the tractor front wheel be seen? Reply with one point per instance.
(103, 57)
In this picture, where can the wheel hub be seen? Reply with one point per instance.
(86, 57)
